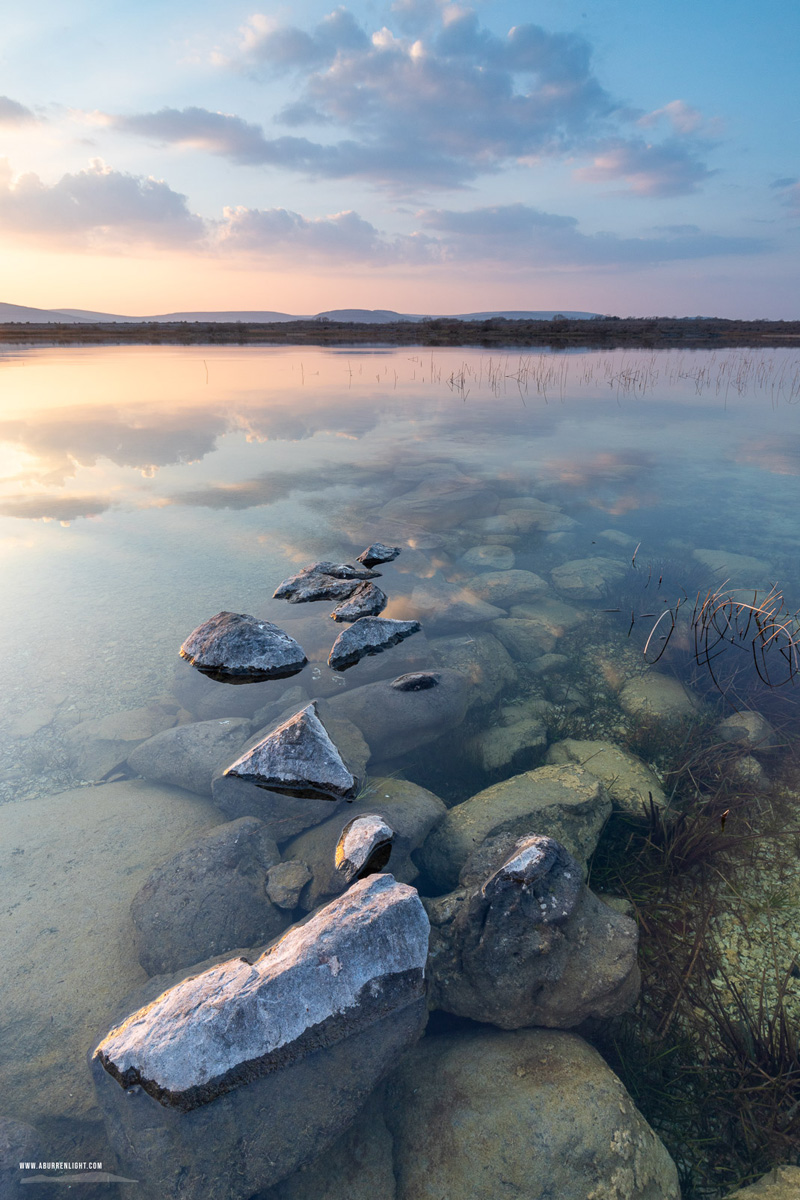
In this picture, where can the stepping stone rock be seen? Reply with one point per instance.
(278, 1054)
(377, 553)
(298, 759)
(524, 941)
(366, 601)
(587, 578)
(368, 635)
(188, 755)
(208, 899)
(284, 815)
(628, 781)
(530, 1115)
(237, 648)
(491, 558)
(397, 720)
(565, 803)
(322, 581)
(505, 588)
(409, 810)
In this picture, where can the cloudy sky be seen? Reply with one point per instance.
(625, 156)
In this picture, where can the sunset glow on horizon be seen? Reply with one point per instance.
(635, 159)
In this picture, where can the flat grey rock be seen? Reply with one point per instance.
(325, 979)
(377, 553)
(364, 848)
(299, 759)
(366, 636)
(208, 899)
(235, 647)
(322, 581)
(366, 601)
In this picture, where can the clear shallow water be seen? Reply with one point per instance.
(143, 490)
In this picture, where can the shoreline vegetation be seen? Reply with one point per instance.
(559, 333)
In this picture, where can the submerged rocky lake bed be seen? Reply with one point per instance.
(467, 864)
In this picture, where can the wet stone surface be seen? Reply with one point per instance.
(367, 636)
(235, 647)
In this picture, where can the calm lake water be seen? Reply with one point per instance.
(143, 490)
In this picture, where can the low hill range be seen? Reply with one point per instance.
(13, 313)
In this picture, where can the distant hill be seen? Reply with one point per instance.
(378, 316)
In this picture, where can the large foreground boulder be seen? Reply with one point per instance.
(524, 942)
(208, 898)
(532, 1115)
(564, 802)
(233, 1078)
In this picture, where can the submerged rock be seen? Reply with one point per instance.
(481, 658)
(532, 1115)
(364, 848)
(749, 729)
(277, 1055)
(660, 697)
(781, 1183)
(566, 803)
(587, 578)
(524, 941)
(629, 782)
(97, 747)
(237, 648)
(208, 899)
(366, 600)
(368, 635)
(504, 588)
(396, 720)
(18, 1143)
(188, 755)
(443, 603)
(377, 553)
(491, 558)
(441, 503)
(285, 882)
(298, 759)
(70, 865)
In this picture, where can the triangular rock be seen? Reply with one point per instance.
(298, 759)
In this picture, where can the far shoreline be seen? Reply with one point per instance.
(560, 333)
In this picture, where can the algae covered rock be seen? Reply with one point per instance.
(531, 1115)
(565, 803)
(658, 696)
(628, 781)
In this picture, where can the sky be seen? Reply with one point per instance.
(636, 157)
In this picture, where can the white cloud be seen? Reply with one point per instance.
(666, 168)
(96, 207)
